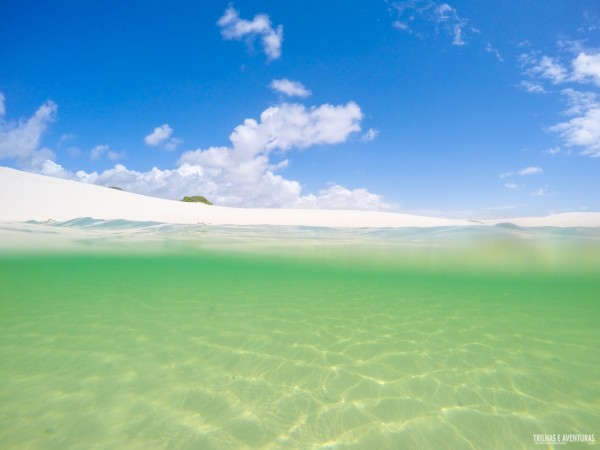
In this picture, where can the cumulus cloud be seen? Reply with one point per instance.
(417, 17)
(159, 135)
(235, 28)
(586, 68)
(293, 125)
(290, 88)
(162, 136)
(20, 140)
(242, 174)
(339, 197)
(262, 188)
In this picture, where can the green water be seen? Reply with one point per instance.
(320, 348)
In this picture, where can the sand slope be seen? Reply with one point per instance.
(26, 196)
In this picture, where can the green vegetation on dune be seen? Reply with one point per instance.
(196, 199)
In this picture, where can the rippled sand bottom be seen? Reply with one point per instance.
(228, 351)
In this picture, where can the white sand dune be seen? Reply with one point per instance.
(26, 196)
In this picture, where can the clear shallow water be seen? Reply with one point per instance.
(196, 337)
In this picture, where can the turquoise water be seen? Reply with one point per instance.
(129, 335)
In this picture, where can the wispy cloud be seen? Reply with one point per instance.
(582, 131)
(531, 170)
(290, 88)
(553, 151)
(494, 51)
(541, 192)
(531, 87)
(67, 137)
(100, 150)
(418, 17)
(549, 69)
(20, 140)
(370, 135)
(574, 66)
(233, 27)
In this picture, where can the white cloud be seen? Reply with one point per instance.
(293, 125)
(582, 131)
(238, 175)
(531, 87)
(419, 16)
(401, 26)
(553, 151)
(493, 51)
(162, 136)
(172, 144)
(159, 135)
(511, 185)
(586, 67)
(20, 140)
(548, 68)
(2, 108)
(579, 102)
(531, 170)
(290, 88)
(541, 192)
(370, 135)
(235, 28)
(581, 66)
(242, 174)
(66, 138)
(100, 150)
(73, 151)
(52, 169)
(339, 197)
(264, 190)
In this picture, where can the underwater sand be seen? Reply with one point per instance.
(206, 338)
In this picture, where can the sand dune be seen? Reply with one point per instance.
(26, 196)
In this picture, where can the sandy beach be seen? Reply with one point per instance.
(26, 196)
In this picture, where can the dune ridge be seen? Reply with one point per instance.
(26, 196)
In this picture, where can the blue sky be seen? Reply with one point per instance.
(464, 109)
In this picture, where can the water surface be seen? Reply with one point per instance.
(155, 336)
